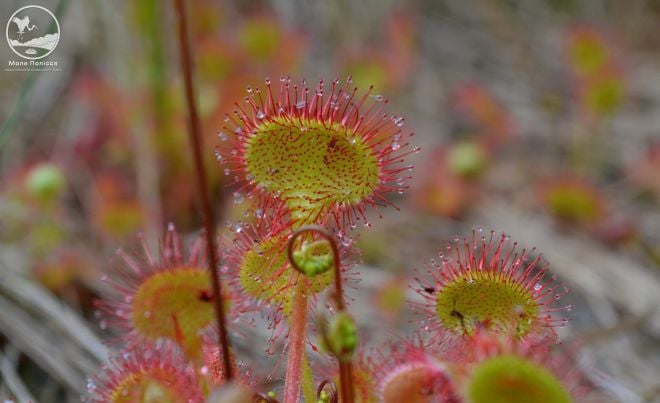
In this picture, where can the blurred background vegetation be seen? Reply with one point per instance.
(538, 118)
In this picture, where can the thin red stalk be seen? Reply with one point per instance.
(297, 325)
(343, 382)
(348, 368)
(201, 182)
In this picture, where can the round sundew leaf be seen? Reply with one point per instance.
(266, 274)
(604, 95)
(314, 155)
(413, 385)
(311, 164)
(511, 379)
(175, 305)
(588, 54)
(489, 284)
(573, 203)
(486, 299)
(145, 389)
(407, 385)
(150, 373)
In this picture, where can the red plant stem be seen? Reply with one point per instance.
(348, 369)
(201, 183)
(297, 325)
(345, 368)
(343, 382)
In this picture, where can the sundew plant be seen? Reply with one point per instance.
(310, 162)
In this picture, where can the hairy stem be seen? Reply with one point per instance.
(345, 368)
(296, 340)
(194, 132)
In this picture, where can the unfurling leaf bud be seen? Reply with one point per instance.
(314, 258)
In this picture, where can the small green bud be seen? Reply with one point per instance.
(511, 379)
(341, 338)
